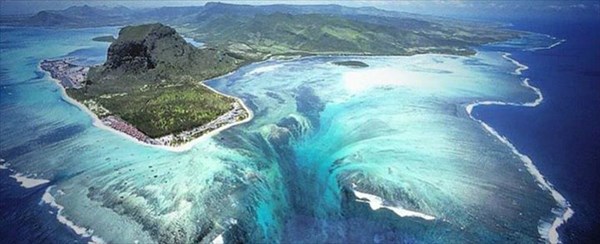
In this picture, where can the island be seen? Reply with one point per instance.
(351, 64)
(107, 38)
(150, 87)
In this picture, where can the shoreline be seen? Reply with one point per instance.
(547, 230)
(96, 121)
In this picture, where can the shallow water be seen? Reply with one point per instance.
(397, 130)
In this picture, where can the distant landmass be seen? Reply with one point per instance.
(256, 31)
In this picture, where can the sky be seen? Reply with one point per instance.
(472, 8)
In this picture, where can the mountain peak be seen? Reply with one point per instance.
(140, 47)
(141, 32)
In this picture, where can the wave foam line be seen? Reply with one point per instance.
(548, 47)
(548, 231)
(520, 67)
(82, 231)
(218, 240)
(24, 181)
(28, 182)
(2, 165)
(264, 69)
(376, 202)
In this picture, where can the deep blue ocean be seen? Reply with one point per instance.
(562, 134)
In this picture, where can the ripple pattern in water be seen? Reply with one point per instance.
(385, 153)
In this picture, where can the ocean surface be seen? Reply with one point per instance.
(561, 135)
(388, 153)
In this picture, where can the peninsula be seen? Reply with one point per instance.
(150, 87)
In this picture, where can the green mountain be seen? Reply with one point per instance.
(317, 33)
(317, 29)
(156, 52)
(255, 31)
(78, 16)
(152, 77)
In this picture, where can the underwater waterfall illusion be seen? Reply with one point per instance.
(387, 153)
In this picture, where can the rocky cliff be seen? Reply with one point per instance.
(157, 53)
(144, 47)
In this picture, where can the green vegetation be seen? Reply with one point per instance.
(152, 79)
(284, 33)
(253, 32)
(104, 39)
(159, 111)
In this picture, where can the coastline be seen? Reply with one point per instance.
(547, 230)
(98, 122)
(180, 148)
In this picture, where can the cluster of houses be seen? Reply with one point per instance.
(69, 75)
(122, 126)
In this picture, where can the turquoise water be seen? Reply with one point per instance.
(397, 129)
